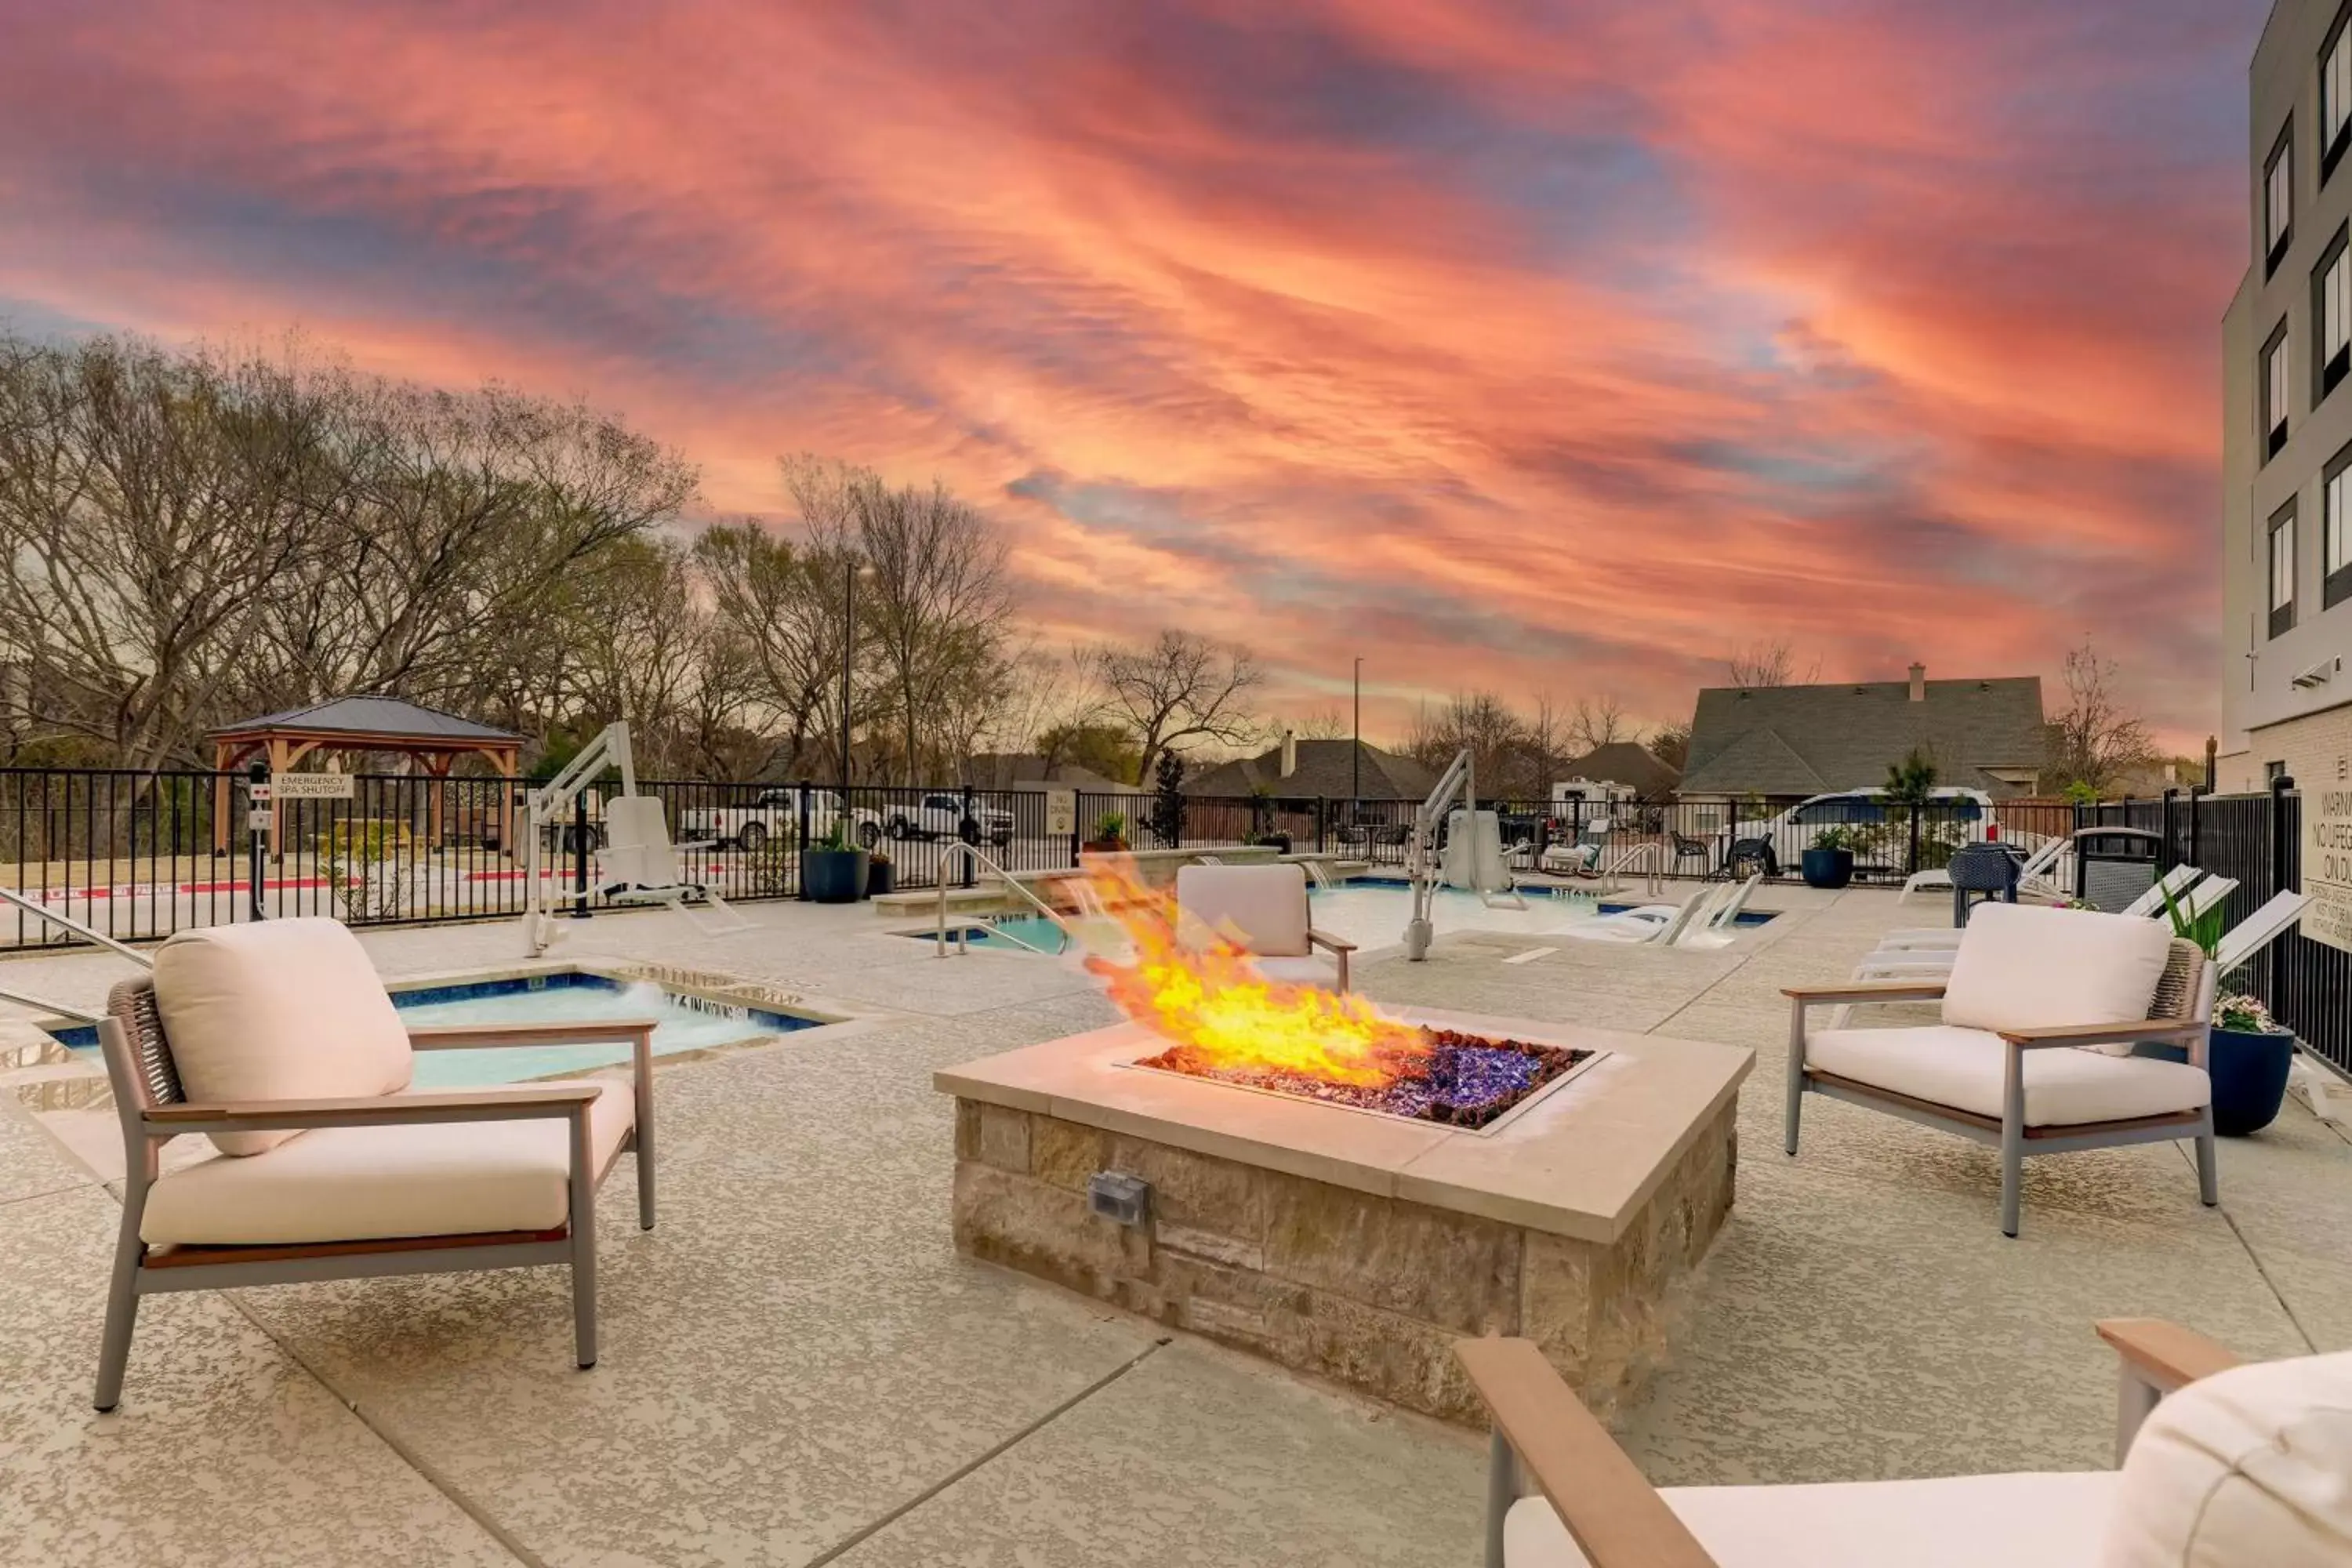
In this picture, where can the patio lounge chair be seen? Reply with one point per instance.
(1719, 917)
(1691, 914)
(1263, 910)
(278, 1041)
(2028, 983)
(638, 864)
(1930, 951)
(2034, 877)
(2220, 1465)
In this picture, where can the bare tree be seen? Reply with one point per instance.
(782, 604)
(1325, 723)
(1480, 722)
(1769, 663)
(2095, 739)
(1601, 721)
(1181, 688)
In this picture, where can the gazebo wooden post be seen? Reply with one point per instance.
(506, 762)
(281, 761)
(436, 773)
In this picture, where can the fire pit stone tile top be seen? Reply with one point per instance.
(1354, 1245)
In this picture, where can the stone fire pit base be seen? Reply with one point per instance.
(1367, 1288)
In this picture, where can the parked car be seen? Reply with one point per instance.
(944, 817)
(1953, 816)
(775, 817)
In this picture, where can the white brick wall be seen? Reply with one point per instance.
(2317, 750)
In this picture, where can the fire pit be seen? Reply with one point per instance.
(1346, 1191)
(1460, 1080)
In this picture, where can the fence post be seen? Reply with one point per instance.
(1911, 867)
(1322, 818)
(2195, 825)
(2164, 858)
(257, 804)
(801, 846)
(969, 825)
(580, 857)
(2281, 843)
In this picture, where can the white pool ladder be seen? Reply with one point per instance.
(1653, 879)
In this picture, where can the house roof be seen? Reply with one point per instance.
(1806, 740)
(1630, 764)
(1325, 768)
(365, 716)
(1029, 770)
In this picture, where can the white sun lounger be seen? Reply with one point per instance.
(2036, 876)
(1625, 929)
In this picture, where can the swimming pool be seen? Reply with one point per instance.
(690, 1022)
(1372, 912)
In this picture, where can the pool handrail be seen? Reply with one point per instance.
(88, 933)
(1653, 881)
(972, 855)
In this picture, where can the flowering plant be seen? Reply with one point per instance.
(2247, 1015)
(2072, 902)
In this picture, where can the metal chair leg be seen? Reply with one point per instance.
(2208, 1175)
(121, 1315)
(584, 1244)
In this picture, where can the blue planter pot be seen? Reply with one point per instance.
(2250, 1073)
(1826, 868)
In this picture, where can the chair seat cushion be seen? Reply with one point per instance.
(361, 1184)
(2033, 1521)
(284, 1009)
(1963, 1068)
(1314, 971)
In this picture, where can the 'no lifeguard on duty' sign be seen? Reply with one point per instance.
(2327, 862)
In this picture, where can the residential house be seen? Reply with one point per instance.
(1303, 770)
(1784, 743)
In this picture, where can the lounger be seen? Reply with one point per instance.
(1623, 928)
(2035, 875)
(277, 1041)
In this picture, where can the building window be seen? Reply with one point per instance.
(2336, 531)
(2273, 772)
(2331, 314)
(2278, 201)
(2275, 393)
(2283, 570)
(2334, 94)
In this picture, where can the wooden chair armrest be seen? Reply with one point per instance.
(1867, 991)
(2164, 1355)
(1616, 1517)
(514, 1102)
(486, 1037)
(2103, 1033)
(1325, 938)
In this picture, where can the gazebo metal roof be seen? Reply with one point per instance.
(379, 717)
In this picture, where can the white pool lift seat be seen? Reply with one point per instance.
(638, 864)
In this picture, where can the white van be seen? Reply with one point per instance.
(1956, 815)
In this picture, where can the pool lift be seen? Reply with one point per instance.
(1472, 857)
(636, 863)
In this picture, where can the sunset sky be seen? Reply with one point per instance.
(1554, 345)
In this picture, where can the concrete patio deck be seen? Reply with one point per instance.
(798, 1369)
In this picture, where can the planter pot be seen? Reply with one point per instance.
(1105, 847)
(1278, 842)
(2250, 1073)
(834, 876)
(881, 876)
(1829, 868)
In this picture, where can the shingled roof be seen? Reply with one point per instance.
(1808, 740)
(1630, 764)
(1325, 768)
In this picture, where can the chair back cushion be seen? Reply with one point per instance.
(2248, 1468)
(277, 1010)
(1261, 907)
(2022, 967)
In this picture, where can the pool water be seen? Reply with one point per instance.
(1371, 912)
(687, 1023)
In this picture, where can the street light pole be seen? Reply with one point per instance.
(1356, 751)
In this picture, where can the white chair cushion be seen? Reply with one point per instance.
(361, 1184)
(2033, 1521)
(1261, 909)
(1964, 1068)
(277, 1010)
(2248, 1468)
(1315, 970)
(2021, 967)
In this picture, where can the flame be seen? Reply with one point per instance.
(1207, 996)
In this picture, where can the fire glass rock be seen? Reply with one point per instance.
(1464, 1081)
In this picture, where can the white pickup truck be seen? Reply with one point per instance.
(775, 817)
(942, 816)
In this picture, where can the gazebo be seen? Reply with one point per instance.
(356, 726)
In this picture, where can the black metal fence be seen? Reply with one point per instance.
(137, 856)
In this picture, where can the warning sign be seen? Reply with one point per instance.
(1061, 812)
(2328, 863)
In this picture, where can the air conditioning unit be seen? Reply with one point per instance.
(2319, 674)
